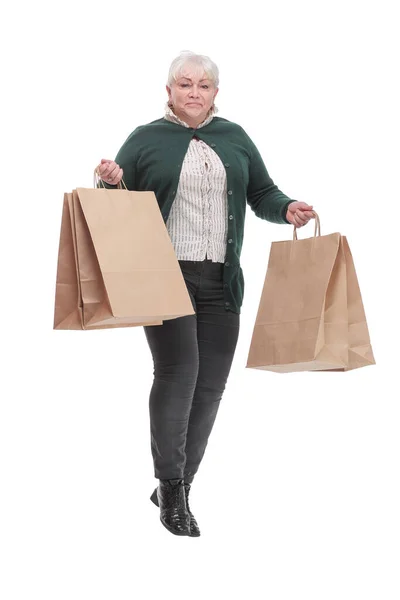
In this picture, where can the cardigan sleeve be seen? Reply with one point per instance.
(263, 195)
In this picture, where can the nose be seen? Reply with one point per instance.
(194, 92)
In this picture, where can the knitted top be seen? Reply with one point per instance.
(153, 158)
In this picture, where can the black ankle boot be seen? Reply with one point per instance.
(194, 528)
(171, 498)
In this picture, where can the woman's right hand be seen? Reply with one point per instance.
(109, 171)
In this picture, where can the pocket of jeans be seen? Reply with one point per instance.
(190, 286)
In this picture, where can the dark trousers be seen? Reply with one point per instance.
(192, 358)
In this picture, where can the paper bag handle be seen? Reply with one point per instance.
(317, 230)
(97, 178)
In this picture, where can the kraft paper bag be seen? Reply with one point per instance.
(116, 264)
(311, 315)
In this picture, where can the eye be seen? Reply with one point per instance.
(184, 85)
(205, 86)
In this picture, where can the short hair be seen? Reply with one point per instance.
(202, 64)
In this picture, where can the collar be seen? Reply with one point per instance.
(171, 116)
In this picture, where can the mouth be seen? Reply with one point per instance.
(193, 104)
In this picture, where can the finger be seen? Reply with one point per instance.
(300, 219)
(114, 172)
(103, 175)
(114, 179)
(108, 175)
(104, 170)
(296, 221)
(309, 214)
(302, 205)
(305, 211)
(302, 211)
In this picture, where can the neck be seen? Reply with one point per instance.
(192, 121)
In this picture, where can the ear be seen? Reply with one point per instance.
(216, 92)
(168, 90)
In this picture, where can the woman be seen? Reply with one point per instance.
(202, 169)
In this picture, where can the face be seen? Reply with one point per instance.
(192, 97)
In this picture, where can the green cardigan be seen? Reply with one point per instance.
(152, 157)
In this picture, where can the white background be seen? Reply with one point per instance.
(298, 494)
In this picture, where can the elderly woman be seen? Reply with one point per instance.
(203, 169)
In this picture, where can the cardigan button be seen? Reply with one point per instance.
(213, 145)
(231, 217)
(230, 241)
(230, 192)
(227, 264)
(227, 303)
(225, 285)
(227, 165)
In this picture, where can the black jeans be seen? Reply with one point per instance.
(192, 358)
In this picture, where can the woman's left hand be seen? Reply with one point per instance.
(299, 213)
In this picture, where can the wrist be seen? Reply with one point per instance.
(285, 211)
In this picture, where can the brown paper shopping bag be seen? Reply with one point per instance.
(116, 264)
(311, 315)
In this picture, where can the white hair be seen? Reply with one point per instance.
(202, 64)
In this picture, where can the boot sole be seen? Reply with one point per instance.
(181, 533)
